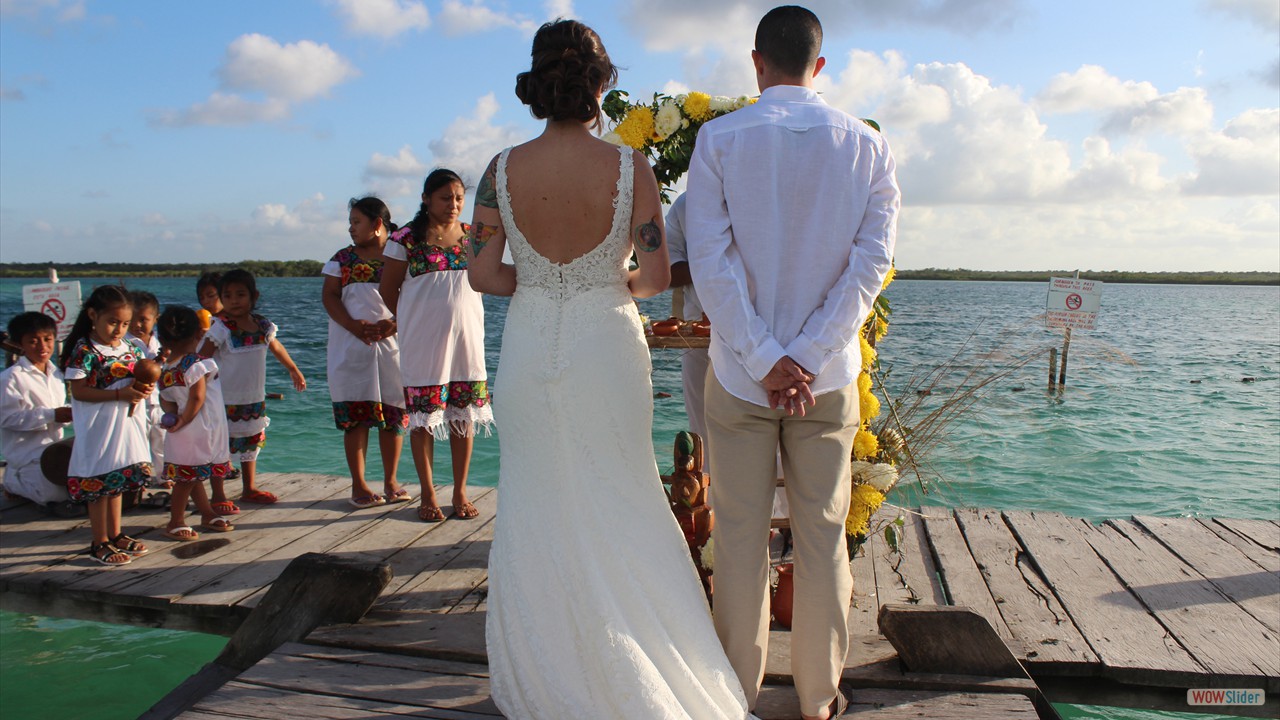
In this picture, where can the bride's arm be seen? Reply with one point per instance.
(648, 235)
(487, 239)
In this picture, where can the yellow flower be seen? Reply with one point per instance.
(864, 383)
(868, 352)
(698, 106)
(888, 277)
(636, 129)
(863, 503)
(865, 445)
(868, 406)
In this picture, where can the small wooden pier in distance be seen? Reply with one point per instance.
(1132, 612)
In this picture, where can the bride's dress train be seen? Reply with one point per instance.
(594, 607)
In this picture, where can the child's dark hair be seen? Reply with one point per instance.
(374, 209)
(177, 323)
(209, 279)
(143, 299)
(103, 297)
(241, 277)
(436, 180)
(23, 324)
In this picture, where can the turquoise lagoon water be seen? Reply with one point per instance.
(1157, 418)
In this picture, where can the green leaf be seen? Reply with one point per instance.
(891, 535)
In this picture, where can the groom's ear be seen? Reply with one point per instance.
(758, 60)
(818, 65)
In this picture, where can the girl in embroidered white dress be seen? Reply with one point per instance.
(239, 340)
(440, 320)
(364, 356)
(111, 454)
(195, 444)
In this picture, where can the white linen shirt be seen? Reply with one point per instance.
(28, 399)
(792, 220)
(676, 248)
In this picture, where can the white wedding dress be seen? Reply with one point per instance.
(594, 607)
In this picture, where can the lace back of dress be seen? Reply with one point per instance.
(604, 265)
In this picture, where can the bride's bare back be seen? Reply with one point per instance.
(562, 192)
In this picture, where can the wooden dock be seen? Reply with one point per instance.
(1132, 612)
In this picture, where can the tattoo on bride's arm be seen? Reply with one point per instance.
(648, 237)
(481, 234)
(487, 190)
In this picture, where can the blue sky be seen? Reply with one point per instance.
(1029, 135)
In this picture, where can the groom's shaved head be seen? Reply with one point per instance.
(790, 39)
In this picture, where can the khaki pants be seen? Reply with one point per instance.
(816, 450)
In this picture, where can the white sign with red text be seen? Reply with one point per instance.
(60, 301)
(1073, 303)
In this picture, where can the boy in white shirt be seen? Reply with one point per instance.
(33, 409)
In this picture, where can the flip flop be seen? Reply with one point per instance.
(182, 534)
(430, 514)
(367, 501)
(399, 496)
(218, 524)
(259, 497)
(466, 511)
(226, 507)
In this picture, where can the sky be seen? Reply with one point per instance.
(1029, 135)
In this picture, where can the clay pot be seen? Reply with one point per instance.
(784, 596)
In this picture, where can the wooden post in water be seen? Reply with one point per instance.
(1053, 368)
(1062, 371)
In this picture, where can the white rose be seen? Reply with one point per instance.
(721, 104)
(668, 118)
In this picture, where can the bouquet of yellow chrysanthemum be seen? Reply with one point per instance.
(666, 128)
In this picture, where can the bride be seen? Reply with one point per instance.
(594, 608)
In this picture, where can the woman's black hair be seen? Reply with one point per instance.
(437, 179)
(208, 279)
(242, 277)
(23, 324)
(568, 72)
(103, 298)
(177, 323)
(374, 209)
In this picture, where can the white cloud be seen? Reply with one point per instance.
(468, 143)
(1181, 112)
(314, 216)
(1092, 88)
(296, 71)
(554, 9)
(282, 74)
(1243, 159)
(1265, 14)
(466, 18)
(223, 109)
(389, 176)
(383, 18)
(61, 9)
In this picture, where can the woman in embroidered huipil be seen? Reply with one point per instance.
(364, 355)
(440, 320)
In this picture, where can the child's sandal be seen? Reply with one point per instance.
(126, 544)
(108, 554)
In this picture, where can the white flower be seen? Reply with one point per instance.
(741, 101)
(668, 118)
(612, 137)
(721, 104)
(881, 476)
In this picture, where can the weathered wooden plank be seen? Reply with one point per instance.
(1132, 645)
(420, 634)
(866, 644)
(1049, 640)
(909, 575)
(375, 658)
(447, 586)
(1266, 534)
(898, 704)
(1219, 635)
(1268, 560)
(239, 699)
(1238, 577)
(959, 572)
(433, 551)
(383, 683)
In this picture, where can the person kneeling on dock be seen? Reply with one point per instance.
(33, 411)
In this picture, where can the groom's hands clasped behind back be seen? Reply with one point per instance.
(788, 386)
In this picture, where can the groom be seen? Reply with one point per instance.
(792, 217)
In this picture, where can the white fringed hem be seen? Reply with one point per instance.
(459, 422)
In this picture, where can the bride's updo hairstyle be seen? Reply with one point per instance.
(570, 69)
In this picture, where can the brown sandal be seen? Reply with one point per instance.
(108, 554)
(430, 513)
(126, 544)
